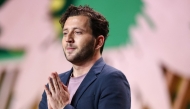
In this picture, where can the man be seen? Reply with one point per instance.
(91, 83)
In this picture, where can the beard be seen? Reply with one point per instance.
(84, 54)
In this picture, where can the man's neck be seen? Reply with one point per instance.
(83, 68)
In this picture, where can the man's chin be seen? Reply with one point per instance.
(69, 58)
(73, 60)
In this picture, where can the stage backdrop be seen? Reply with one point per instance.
(148, 41)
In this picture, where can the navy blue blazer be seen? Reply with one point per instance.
(104, 87)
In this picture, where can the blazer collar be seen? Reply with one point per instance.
(66, 77)
(89, 79)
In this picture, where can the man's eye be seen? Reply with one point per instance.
(78, 32)
(64, 34)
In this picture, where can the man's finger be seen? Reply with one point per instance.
(58, 80)
(51, 85)
(48, 93)
(65, 87)
(55, 83)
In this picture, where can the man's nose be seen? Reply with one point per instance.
(70, 38)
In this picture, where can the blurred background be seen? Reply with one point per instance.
(149, 41)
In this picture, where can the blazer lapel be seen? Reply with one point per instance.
(66, 77)
(88, 80)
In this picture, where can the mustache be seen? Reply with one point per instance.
(69, 45)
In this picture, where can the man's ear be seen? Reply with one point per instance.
(99, 41)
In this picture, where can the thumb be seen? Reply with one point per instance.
(65, 87)
(49, 106)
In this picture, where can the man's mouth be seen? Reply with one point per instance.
(70, 49)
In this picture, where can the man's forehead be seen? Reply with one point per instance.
(77, 19)
(77, 22)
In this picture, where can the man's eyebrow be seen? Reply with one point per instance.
(79, 28)
(74, 29)
(65, 29)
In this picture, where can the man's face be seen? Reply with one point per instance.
(78, 42)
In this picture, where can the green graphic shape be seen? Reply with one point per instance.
(121, 16)
(9, 54)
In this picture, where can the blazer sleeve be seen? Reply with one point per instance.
(115, 92)
(43, 102)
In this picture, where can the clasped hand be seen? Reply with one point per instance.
(57, 94)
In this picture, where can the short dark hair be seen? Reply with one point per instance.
(98, 23)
